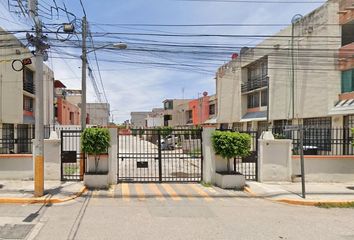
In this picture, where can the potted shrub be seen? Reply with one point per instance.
(230, 145)
(95, 143)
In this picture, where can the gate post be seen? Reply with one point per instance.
(113, 156)
(209, 167)
(159, 154)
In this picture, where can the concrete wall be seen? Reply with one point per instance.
(326, 168)
(16, 166)
(274, 160)
(138, 119)
(98, 113)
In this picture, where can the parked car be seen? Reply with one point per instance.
(169, 143)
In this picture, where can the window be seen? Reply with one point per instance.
(253, 100)
(237, 126)
(264, 69)
(264, 98)
(27, 104)
(168, 105)
(278, 129)
(224, 126)
(348, 81)
(348, 33)
(212, 109)
(7, 141)
(28, 80)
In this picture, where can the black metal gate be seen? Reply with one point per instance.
(72, 161)
(160, 155)
(248, 166)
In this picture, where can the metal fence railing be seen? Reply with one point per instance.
(319, 140)
(17, 139)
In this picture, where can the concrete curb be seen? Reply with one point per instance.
(297, 201)
(42, 200)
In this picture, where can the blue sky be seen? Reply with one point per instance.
(140, 87)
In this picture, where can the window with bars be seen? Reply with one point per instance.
(28, 80)
(28, 104)
(7, 138)
(237, 126)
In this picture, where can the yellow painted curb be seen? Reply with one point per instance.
(295, 201)
(42, 200)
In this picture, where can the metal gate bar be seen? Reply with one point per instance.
(160, 155)
(72, 161)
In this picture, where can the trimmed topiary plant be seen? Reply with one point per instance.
(95, 141)
(229, 145)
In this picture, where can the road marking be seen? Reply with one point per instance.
(185, 191)
(172, 193)
(201, 192)
(125, 192)
(140, 192)
(157, 192)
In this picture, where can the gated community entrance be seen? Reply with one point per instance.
(160, 155)
(153, 155)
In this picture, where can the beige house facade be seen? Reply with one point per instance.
(17, 97)
(289, 78)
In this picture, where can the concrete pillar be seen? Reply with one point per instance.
(274, 160)
(112, 156)
(208, 155)
(52, 159)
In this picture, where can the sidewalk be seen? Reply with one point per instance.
(12, 191)
(291, 192)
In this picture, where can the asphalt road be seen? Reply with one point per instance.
(173, 212)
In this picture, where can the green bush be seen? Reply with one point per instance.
(95, 141)
(229, 145)
(165, 131)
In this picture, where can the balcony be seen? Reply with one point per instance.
(254, 84)
(29, 87)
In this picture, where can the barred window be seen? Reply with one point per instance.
(318, 133)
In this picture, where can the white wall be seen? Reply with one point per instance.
(326, 168)
(16, 167)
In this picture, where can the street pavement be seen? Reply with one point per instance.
(172, 211)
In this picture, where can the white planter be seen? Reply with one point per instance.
(98, 181)
(230, 181)
(102, 164)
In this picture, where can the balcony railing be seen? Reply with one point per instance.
(29, 87)
(254, 84)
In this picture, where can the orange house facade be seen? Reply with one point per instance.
(67, 113)
(202, 109)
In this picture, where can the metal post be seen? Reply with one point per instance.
(83, 80)
(302, 162)
(39, 121)
(159, 155)
(292, 71)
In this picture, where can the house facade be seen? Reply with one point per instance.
(66, 112)
(176, 112)
(155, 118)
(98, 113)
(289, 78)
(203, 110)
(17, 98)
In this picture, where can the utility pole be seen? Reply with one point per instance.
(39, 124)
(83, 80)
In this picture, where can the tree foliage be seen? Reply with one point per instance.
(229, 145)
(95, 140)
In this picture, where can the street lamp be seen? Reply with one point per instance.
(84, 66)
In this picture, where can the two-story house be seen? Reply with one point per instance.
(17, 98)
(289, 78)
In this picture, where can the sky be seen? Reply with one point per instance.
(153, 68)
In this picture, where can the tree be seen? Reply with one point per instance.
(95, 141)
(230, 145)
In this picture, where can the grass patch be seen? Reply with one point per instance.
(69, 170)
(336, 205)
(206, 184)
